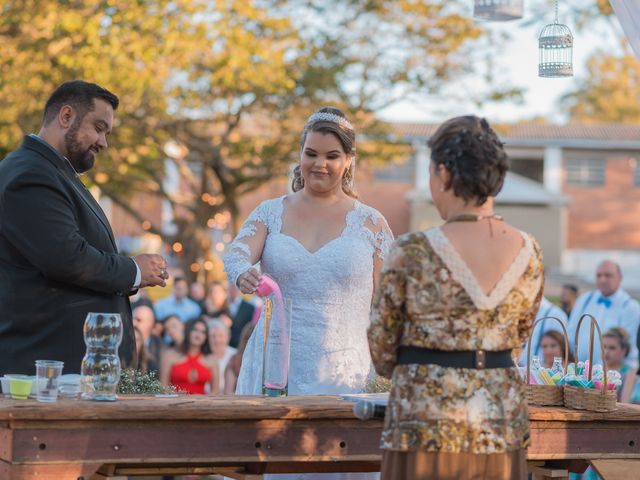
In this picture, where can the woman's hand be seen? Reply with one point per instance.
(248, 281)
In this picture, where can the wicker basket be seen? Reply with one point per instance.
(603, 400)
(545, 394)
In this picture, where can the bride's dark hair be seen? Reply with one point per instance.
(347, 137)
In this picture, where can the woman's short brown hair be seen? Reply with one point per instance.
(474, 156)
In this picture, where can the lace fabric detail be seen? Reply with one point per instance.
(237, 261)
(463, 275)
(331, 291)
(370, 224)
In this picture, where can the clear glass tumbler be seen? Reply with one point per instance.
(47, 376)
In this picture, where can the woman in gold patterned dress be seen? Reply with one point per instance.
(455, 304)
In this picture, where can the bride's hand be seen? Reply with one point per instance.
(248, 281)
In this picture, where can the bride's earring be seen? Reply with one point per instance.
(347, 179)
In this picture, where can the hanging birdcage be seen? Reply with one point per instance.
(556, 51)
(498, 10)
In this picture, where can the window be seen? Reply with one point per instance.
(531, 168)
(636, 173)
(585, 172)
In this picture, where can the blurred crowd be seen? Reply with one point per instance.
(194, 338)
(618, 316)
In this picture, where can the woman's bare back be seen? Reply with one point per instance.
(488, 247)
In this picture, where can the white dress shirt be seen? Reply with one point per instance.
(617, 310)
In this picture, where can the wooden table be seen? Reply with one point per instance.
(245, 437)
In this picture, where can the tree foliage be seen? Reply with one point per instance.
(227, 84)
(610, 93)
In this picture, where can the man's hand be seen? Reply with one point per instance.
(153, 269)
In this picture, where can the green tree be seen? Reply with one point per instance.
(227, 84)
(610, 93)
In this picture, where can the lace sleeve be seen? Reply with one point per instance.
(383, 238)
(246, 249)
(379, 233)
(387, 314)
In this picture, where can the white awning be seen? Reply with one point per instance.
(628, 13)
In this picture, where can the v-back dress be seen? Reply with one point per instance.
(429, 298)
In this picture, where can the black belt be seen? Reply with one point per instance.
(478, 359)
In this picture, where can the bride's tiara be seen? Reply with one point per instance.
(329, 117)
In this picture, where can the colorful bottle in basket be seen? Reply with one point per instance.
(536, 379)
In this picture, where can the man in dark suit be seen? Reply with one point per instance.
(241, 313)
(58, 255)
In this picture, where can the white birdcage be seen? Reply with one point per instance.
(556, 50)
(498, 10)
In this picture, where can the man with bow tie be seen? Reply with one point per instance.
(612, 307)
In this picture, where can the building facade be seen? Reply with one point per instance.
(575, 187)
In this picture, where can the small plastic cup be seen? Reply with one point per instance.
(47, 375)
(4, 381)
(69, 386)
(20, 388)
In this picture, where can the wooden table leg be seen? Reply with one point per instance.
(617, 469)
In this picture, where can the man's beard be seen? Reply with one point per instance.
(81, 160)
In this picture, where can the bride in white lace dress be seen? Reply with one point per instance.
(324, 248)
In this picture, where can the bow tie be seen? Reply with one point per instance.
(605, 301)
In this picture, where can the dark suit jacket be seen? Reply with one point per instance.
(241, 318)
(58, 261)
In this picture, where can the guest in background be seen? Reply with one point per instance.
(178, 303)
(197, 293)
(141, 351)
(141, 297)
(612, 307)
(158, 330)
(546, 309)
(631, 388)
(616, 346)
(144, 320)
(568, 297)
(215, 303)
(235, 362)
(552, 346)
(192, 369)
(173, 331)
(219, 335)
(241, 313)
(453, 303)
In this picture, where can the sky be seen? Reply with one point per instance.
(516, 63)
